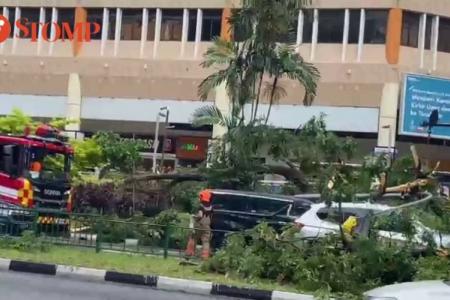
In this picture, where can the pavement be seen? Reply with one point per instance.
(19, 286)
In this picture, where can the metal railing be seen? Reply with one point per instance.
(101, 232)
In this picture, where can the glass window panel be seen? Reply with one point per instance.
(444, 35)
(131, 24)
(192, 25)
(376, 26)
(355, 20)
(308, 20)
(331, 25)
(95, 15)
(410, 31)
(212, 24)
(28, 15)
(172, 24)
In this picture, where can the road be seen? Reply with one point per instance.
(19, 286)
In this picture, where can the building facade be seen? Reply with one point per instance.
(146, 54)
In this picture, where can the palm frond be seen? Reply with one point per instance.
(211, 115)
(222, 52)
(211, 82)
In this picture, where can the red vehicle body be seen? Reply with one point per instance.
(46, 189)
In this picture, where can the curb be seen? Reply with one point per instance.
(158, 282)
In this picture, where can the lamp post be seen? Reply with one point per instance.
(166, 126)
(389, 142)
(156, 141)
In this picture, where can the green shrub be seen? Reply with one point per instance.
(185, 195)
(433, 268)
(28, 242)
(261, 253)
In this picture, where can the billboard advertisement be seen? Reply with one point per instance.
(421, 95)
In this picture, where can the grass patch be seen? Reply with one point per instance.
(135, 264)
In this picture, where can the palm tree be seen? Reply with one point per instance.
(255, 54)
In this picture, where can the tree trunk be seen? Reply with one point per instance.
(258, 95)
(272, 94)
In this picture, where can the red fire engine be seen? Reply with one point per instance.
(34, 173)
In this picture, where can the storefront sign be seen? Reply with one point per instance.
(421, 95)
(191, 148)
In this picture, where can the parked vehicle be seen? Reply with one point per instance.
(420, 290)
(34, 173)
(321, 220)
(238, 210)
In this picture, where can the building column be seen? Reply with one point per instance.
(394, 35)
(226, 31)
(387, 129)
(198, 32)
(105, 28)
(53, 31)
(185, 32)
(222, 102)
(73, 107)
(315, 33)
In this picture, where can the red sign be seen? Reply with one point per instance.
(192, 148)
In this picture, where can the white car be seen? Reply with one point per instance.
(420, 290)
(321, 220)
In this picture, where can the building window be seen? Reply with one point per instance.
(376, 26)
(428, 32)
(151, 24)
(331, 26)
(28, 15)
(444, 35)
(66, 15)
(192, 25)
(355, 21)
(131, 25)
(11, 18)
(308, 19)
(95, 15)
(112, 24)
(410, 31)
(212, 24)
(172, 25)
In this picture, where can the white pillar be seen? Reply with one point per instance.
(222, 102)
(435, 40)
(345, 35)
(157, 32)
(362, 28)
(315, 33)
(73, 107)
(41, 25)
(422, 33)
(185, 32)
(118, 31)
(388, 115)
(53, 30)
(16, 30)
(105, 28)
(6, 15)
(301, 20)
(198, 32)
(144, 31)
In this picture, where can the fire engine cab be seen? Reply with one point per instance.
(34, 172)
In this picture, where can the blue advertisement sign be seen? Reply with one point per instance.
(421, 95)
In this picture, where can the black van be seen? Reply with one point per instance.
(238, 210)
